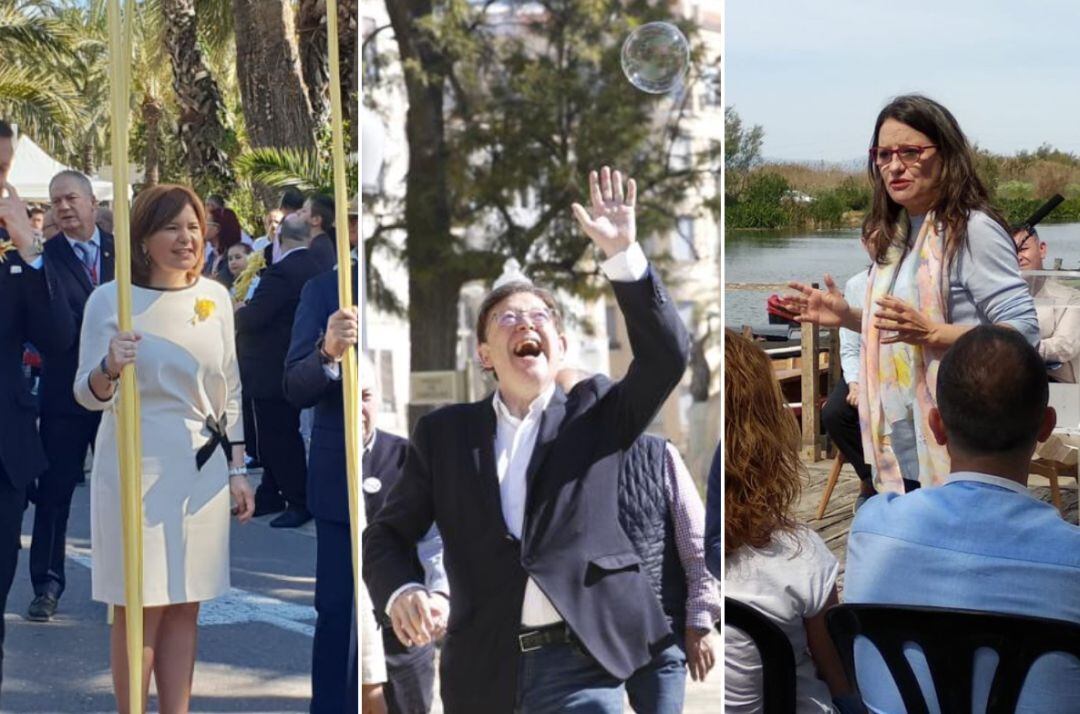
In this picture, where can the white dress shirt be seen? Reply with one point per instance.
(515, 440)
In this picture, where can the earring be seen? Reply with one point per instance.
(146, 257)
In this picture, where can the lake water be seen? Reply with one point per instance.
(773, 258)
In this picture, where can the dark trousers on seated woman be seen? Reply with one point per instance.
(841, 422)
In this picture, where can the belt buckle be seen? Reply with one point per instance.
(521, 642)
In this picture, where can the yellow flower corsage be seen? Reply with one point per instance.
(204, 308)
(6, 247)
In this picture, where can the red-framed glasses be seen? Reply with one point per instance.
(907, 153)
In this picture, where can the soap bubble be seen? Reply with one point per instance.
(655, 57)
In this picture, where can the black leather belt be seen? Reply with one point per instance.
(533, 639)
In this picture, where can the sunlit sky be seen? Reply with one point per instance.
(815, 74)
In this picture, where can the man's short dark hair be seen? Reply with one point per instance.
(323, 207)
(291, 200)
(216, 198)
(6, 130)
(35, 211)
(504, 291)
(992, 391)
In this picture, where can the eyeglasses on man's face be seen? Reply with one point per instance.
(537, 317)
(907, 153)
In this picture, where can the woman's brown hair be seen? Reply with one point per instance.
(762, 469)
(154, 207)
(960, 189)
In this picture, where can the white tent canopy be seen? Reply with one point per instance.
(33, 169)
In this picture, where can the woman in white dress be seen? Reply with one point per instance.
(183, 350)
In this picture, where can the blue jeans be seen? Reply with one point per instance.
(563, 679)
(660, 686)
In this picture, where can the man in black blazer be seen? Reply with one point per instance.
(32, 309)
(549, 609)
(84, 258)
(264, 326)
(410, 672)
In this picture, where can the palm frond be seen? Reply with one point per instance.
(307, 171)
(32, 33)
(42, 106)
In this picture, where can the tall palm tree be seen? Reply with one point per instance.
(202, 130)
(277, 111)
(43, 103)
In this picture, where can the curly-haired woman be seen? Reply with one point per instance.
(778, 567)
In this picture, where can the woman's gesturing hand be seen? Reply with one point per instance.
(826, 308)
(901, 318)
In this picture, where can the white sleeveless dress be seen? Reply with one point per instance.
(187, 371)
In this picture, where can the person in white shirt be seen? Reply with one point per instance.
(549, 608)
(840, 415)
(776, 566)
(1058, 308)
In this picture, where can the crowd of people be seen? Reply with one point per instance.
(946, 362)
(537, 543)
(215, 367)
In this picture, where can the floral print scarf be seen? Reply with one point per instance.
(900, 380)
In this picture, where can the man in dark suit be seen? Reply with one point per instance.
(318, 211)
(410, 683)
(84, 258)
(321, 334)
(264, 326)
(549, 609)
(32, 309)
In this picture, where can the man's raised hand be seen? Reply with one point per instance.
(16, 221)
(610, 221)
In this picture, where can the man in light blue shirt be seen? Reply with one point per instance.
(981, 541)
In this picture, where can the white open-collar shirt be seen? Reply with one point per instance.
(515, 440)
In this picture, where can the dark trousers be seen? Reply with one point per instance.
(251, 434)
(410, 678)
(66, 440)
(12, 503)
(330, 655)
(281, 448)
(841, 421)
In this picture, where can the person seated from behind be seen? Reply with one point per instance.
(981, 541)
(778, 567)
(840, 415)
(1058, 308)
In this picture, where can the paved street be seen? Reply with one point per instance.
(254, 644)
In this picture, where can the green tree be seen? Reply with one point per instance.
(41, 102)
(503, 125)
(742, 150)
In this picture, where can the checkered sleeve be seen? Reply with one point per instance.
(688, 513)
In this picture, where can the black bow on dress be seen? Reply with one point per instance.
(217, 436)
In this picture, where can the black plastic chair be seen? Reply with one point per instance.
(777, 659)
(949, 639)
